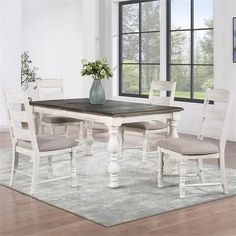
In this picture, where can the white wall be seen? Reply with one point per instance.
(59, 33)
(63, 33)
(10, 49)
(91, 37)
(52, 32)
(225, 69)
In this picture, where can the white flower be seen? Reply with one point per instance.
(84, 61)
(102, 72)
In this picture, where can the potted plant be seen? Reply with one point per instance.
(28, 72)
(98, 70)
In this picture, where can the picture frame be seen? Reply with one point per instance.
(234, 39)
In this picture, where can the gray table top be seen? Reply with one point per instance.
(109, 108)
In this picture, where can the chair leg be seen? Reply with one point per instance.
(81, 133)
(67, 131)
(15, 158)
(121, 141)
(35, 174)
(41, 129)
(160, 168)
(89, 137)
(73, 170)
(145, 147)
(201, 172)
(52, 129)
(222, 174)
(167, 128)
(182, 187)
(50, 167)
(82, 136)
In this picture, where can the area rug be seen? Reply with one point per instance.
(137, 197)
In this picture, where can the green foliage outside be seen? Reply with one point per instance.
(182, 94)
(180, 54)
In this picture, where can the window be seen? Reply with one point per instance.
(190, 47)
(139, 46)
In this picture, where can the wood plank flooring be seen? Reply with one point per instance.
(21, 215)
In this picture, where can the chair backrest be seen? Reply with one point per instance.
(215, 119)
(19, 115)
(158, 92)
(50, 89)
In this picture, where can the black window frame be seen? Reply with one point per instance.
(140, 32)
(168, 50)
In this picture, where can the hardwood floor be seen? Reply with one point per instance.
(21, 215)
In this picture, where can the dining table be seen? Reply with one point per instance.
(113, 114)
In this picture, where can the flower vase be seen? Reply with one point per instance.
(96, 94)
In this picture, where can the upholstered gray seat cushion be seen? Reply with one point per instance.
(50, 143)
(57, 119)
(188, 146)
(147, 125)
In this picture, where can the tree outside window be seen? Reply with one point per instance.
(139, 46)
(190, 47)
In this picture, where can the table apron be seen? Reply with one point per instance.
(108, 120)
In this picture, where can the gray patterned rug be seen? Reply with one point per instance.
(137, 197)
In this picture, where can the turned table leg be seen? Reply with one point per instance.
(89, 137)
(114, 152)
(173, 126)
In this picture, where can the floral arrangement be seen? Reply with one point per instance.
(28, 73)
(98, 69)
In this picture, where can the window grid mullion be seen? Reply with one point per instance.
(120, 47)
(137, 63)
(188, 64)
(199, 29)
(192, 49)
(143, 32)
(140, 48)
(168, 43)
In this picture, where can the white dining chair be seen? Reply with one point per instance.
(52, 89)
(214, 124)
(157, 96)
(25, 141)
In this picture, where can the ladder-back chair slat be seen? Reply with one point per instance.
(14, 98)
(50, 83)
(158, 100)
(20, 116)
(212, 132)
(50, 89)
(218, 95)
(22, 134)
(213, 113)
(162, 86)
